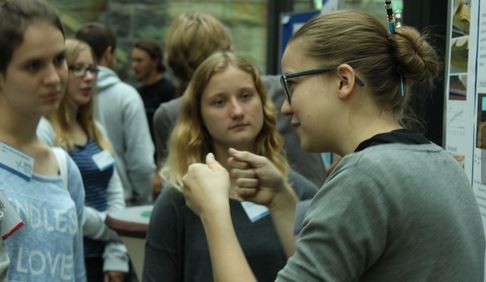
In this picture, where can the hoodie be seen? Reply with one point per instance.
(119, 108)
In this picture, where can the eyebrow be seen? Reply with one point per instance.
(43, 58)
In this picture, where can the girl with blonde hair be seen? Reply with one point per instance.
(73, 128)
(225, 106)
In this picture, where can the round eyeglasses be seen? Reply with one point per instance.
(286, 76)
(81, 70)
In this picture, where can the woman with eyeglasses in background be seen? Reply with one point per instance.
(395, 208)
(73, 128)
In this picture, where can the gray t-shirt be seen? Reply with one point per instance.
(391, 212)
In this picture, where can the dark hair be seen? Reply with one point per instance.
(15, 17)
(381, 58)
(152, 48)
(98, 36)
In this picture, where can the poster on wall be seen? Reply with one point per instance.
(465, 115)
(479, 87)
(466, 93)
(459, 99)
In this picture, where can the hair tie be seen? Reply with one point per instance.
(392, 27)
(390, 16)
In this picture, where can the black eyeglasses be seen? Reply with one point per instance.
(81, 71)
(285, 77)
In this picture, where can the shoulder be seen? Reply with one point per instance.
(166, 83)
(67, 164)
(170, 108)
(169, 197)
(109, 82)
(173, 104)
(274, 89)
(126, 91)
(388, 158)
(304, 188)
(44, 123)
(45, 131)
(168, 203)
(101, 128)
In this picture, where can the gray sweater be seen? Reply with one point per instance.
(392, 212)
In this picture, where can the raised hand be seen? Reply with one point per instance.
(206, 186)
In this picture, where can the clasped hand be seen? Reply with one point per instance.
(255, 178)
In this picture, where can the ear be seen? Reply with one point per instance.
(347, 77)
(107, 55)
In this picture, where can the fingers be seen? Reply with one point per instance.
(246, 187)
(250, 158)
(243, 173)
(246, 183)
(246, 193)
(234, 163)
(211, 162)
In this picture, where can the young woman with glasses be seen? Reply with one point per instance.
(395, 208)
(33, 74)
(73, 128)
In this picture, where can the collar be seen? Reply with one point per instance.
(403, 136)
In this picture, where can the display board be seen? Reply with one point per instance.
(465, 114)
(290, 23)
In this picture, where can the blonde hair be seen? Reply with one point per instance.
(381, 58)
(61, 118)
(190, 39)
(190, 141)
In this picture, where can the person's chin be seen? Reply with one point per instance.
(49, 109)
(241, 143)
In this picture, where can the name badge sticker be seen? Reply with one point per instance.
(254, 211)
(11, 222)
(103, 160)
(16, 161)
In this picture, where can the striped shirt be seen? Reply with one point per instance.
(95, 179)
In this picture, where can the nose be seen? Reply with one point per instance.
(286, 109)
(89, 76)
(55, 74)
(236, 109)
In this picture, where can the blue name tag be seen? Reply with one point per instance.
(254, 211)
(103, 160)
(16, 161)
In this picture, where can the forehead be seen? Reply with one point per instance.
(229, 78)
(294, 59)
(41, 41)
(84, 56)
(137, 52)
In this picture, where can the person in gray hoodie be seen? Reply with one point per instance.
(120, 110)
